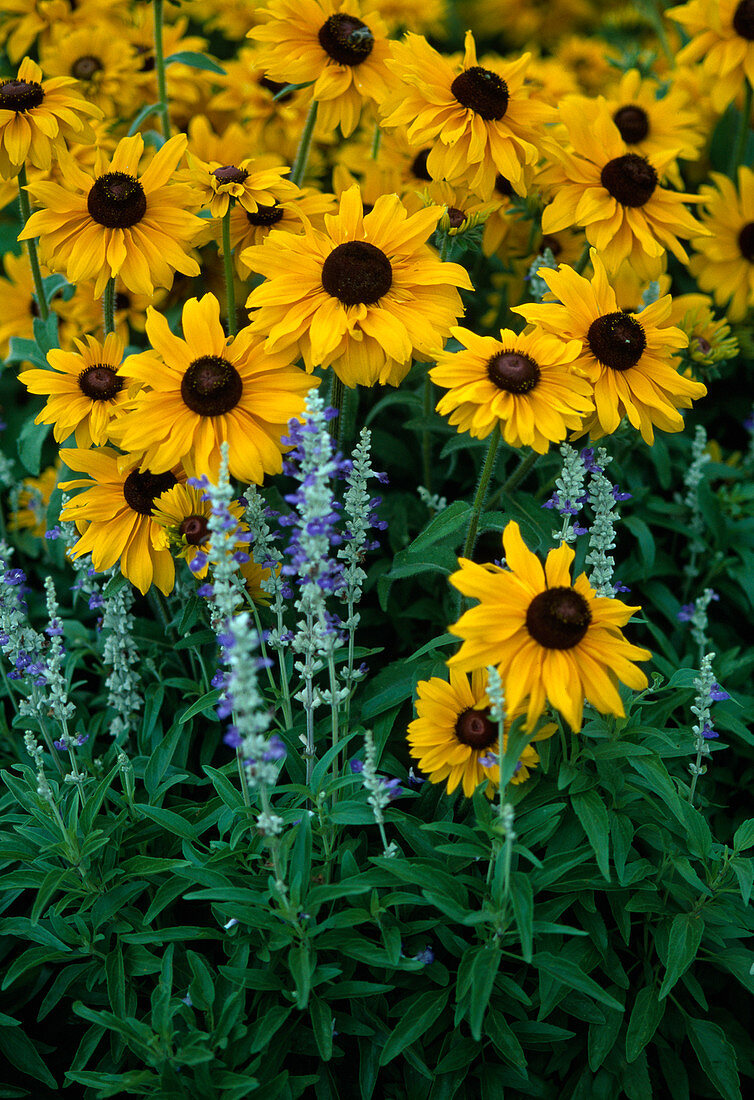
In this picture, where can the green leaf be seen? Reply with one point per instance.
(301, 860)
(264, 1027)
(451, 521)
(591, 812)
(22, 351)
(644, 537)
(114, 585)
(30, 441)
(196, 61)
(645, 1018)
(21, 1053)
(522, 899)
(203, 704)
(572, 976)
(300, 966)
(504, 1039)
(230, 795)
(415, 1023)
(322, 1024)
(173, 823)
(716, 1056)
(116, 980)
(142, 116)
(46, 891)
(744, 872)
(683, 943)
(483, 973)
(744, 836)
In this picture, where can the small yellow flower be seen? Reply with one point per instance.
(724, 264)
(30, 511)
(722, 39)
(246, 182)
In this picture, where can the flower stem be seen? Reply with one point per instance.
(23, 200)
(304, 145)
(376, 140)
(582, 260)
(518, 475)
(159, 64)
(230, 286)
(337, 397)
(481, 493)
(426, 442)
(743, 132)
(108, 306)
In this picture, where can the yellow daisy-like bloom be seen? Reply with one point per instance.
(628, 357)
(650, 125)
(37, 115)
(208, 388)
(327, 42)
(522, 384)
(99, 58)
(182, 515)
(86, 389)
(30, 512)
(550, 640)
(724, 264)
(478, 122)
(454, 738)
(722, 39)
(364, 297)
(116, 511)
(117, 223)
(18, 306)
(288, 213)
(246, 182)
(24, 22)
(615, 194)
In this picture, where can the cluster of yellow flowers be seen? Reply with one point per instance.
(328, 170)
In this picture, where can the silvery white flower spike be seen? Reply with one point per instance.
(603, 499)
(568, 497)
(120, 655)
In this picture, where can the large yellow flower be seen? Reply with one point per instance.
(723, 40)
(615, 194)
(724, 264)
(327, 42)
(100, 59)
(478, 121)
(453, 737)
(117, 223)
(628, 357)
(207, 388)
(364, 297)
(85, 389)
(115, 514)
(523, 385)
(36, 116)
(549, 639)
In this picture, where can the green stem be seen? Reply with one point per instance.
(429, 400)
(376, 140)
(230, 286)
(23, 200)
(481, 493)
(242, 777)
(583, 259)
(302, 154)
(743, 132)
(518, 475)
(337, 396)
(159, 64)
(108, 306)
(655, 14)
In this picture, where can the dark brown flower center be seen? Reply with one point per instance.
(633, 123)
(630, 179)
(511, 371)
(357, 273)
(503, 186)
(100, 383)
(482, 91)
(265, 215)
(230, 174)
(552, 243)
(346, 39)
(194, 529)
(419, 166)
(117, 201)
(746, 242)
(84, 68)
(20, 95)
(617, 340)
(743, 20)
(558, 618)
(211, 386)
(141, 489)
(702, 345)
(456, 217)
(275, 88)
(475, 729)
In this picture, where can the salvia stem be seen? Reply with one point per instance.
(230, 286)
(302, 153)
(23, 199)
